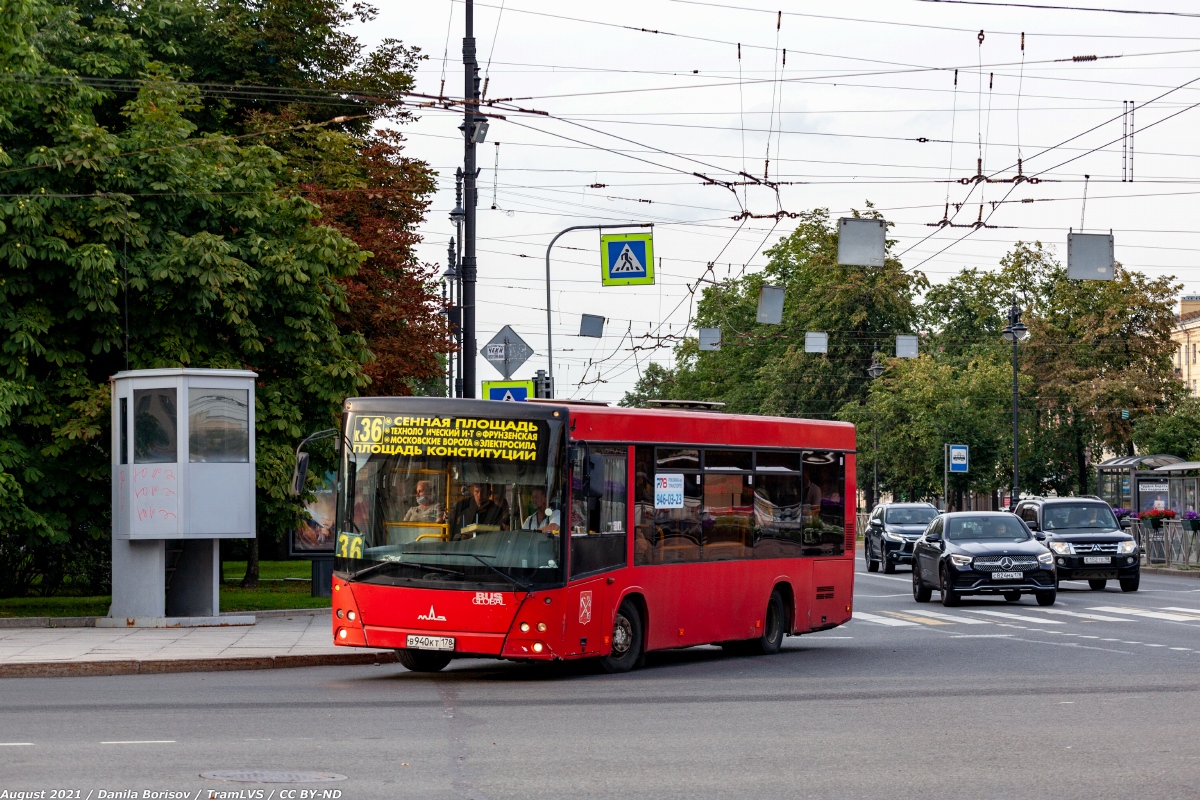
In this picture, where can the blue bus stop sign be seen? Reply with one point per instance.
(958, 458)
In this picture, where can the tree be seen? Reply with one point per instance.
(1175, 431)
(655, 383)
(226, 268)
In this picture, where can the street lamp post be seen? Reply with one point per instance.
(1014, 332)
(874, 371)
(457, 217)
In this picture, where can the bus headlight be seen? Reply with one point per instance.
(542, 627)
(351, 615)
(524, 627)
(341, 633)
(538, 647)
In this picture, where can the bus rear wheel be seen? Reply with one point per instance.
(422, 660)
(626, 640)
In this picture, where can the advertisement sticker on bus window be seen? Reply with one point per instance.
(668, 490)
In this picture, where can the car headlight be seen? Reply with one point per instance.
(1063, 548)
(960, 561)
(1047, 559)
(893, 537)
(1127, 547)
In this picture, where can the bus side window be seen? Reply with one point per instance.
(647, 545)
(601, 545)
(824, 509)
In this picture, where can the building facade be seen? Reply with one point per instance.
(1187, 336)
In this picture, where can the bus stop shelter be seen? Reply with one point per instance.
(1141, 483)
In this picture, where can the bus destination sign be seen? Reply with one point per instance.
(446, 437)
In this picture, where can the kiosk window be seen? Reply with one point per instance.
(154, 426)
(124, 429)
(219, 425)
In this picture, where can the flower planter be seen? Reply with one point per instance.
(1190, 524)
(1154, 522)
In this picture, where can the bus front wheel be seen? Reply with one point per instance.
(626, 640)
(422, 660)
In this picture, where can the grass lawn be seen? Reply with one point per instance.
(273, 592)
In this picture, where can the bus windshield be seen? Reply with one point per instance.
(457, 502)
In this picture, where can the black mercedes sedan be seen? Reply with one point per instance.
(982, 552)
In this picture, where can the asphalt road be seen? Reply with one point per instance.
(1100, 699)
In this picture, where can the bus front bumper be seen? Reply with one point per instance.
(466, 643)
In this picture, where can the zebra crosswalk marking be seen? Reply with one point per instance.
(1084, 616)
(949, 618)
(1192, 611)
(915, 618)
(1141, 612)
(1020, 617)
(895, 623)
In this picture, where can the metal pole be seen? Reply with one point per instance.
(549, 333)
(946, 475)
(470, 104)
(875, 449)
(1016, 480)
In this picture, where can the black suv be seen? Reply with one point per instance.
(891, 531)
(1086, 539)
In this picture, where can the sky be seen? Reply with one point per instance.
(893, 103)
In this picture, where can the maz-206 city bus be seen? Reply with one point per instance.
(556, 530)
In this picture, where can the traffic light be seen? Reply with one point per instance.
(543, 385)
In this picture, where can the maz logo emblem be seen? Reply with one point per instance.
(432, 616)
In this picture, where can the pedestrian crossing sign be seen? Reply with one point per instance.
(518, 391)
(627, 259)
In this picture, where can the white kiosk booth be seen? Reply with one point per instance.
(182, 479)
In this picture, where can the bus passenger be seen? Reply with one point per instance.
(542, 519)
(426, 509)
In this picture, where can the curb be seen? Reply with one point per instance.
(78, 669)
(1179, 573)
(90, 622)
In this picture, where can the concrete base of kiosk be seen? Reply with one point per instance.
(167, 583)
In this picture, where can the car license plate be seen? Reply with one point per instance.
(1007, 576)
(430, 642)
(1097, 559)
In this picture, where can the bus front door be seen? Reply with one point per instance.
(588, 619)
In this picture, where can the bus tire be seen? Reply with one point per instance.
(422, 660)
(774, 627)
(627, 638)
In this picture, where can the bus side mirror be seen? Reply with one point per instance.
(299, 474)
(595, 476)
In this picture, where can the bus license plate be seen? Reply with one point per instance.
(1007, 576)
(430, 642)
(1097, 559)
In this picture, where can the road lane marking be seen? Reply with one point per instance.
(1013, 616)
(1154, 645)
(950, 618)
(915, 618)
(895, 623)
(146, 741)
(1181, 648)
(1139, 612)
(1077, 614)
(16, 744)
(884, 577)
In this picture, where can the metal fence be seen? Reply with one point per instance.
(1168, 546)
(860, 524)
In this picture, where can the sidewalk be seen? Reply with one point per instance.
(279, 642)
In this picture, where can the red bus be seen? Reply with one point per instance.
(554, 530)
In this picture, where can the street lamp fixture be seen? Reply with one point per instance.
(874, 371)
(1014, 333)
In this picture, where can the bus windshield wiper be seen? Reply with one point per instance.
(483, 560)
(365, 571)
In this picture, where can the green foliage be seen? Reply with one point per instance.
(224, 269)
(1176, 431)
